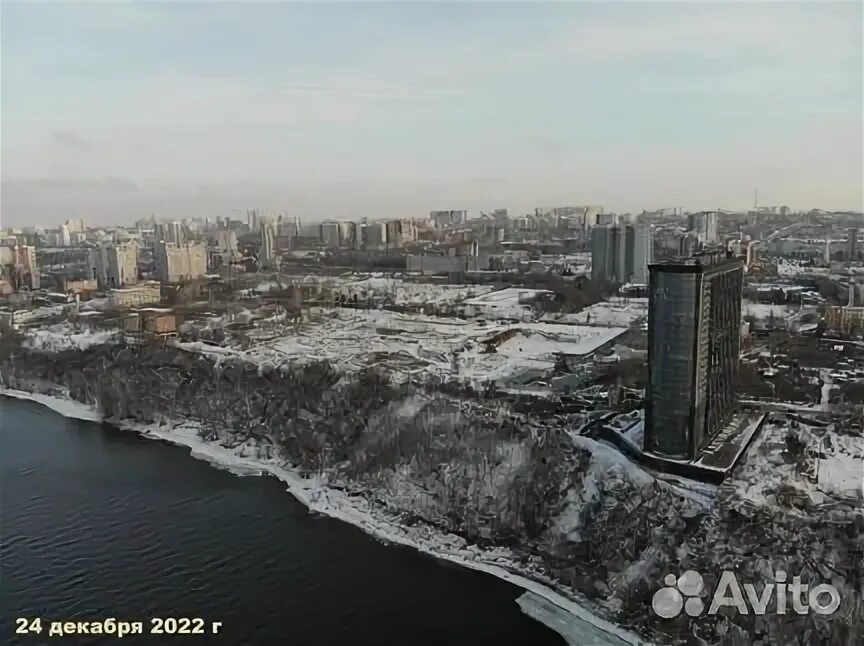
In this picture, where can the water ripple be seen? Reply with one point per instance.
(96, 525)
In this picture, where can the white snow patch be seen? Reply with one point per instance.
(57, 338)
(607, 468)
(609, 314)
(842, 475)
(65, 407)
(576, 631)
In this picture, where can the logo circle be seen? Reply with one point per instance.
(694, 606)
(667, 603)
(690, 583)
(815, 602)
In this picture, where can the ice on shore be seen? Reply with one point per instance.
(63, 336)
(64, 407)
(575, 630)
(338, 504)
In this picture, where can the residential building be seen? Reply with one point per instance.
(688, 244)
(175, 263)
(643, 254)
(603, 250)
(176, 234)
(604, 219)
(408, 231)
(525, 227)
(585, 216)
(169, 232)
(289, 227)
(65, 236)
(852, 244)
(372, 234)
(252, 219)
(310, 230)
(442, 264)
(75, 226)
(18, 264)
(621, 253)
(348, 234)
(115, 264)
(848, 320)
(444, 219)
(267, 256)
(694, 326)
(704, 226)
(392, 232)
(226, 240)
(330, 234)
(145, 293)
(592, 216)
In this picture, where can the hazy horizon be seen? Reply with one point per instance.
(116, 111)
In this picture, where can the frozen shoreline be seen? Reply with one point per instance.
(567, 617)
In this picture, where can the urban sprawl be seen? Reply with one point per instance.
(680, 389)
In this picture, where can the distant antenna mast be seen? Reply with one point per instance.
(756, 199)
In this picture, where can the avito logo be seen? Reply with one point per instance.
(687, 594)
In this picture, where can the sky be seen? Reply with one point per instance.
(116, 110)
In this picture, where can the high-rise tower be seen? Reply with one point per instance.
(621, 253)
(694, 324)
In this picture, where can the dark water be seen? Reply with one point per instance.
(97, 522)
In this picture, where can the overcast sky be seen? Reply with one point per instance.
(114, 111)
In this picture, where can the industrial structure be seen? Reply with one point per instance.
(693, 347)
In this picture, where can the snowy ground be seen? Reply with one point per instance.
(30, 316)
(792, 317)
(383, 287)
(57, 338)
(504, 303)
(409, 293)
(576, 631)
(613, 313)
(569, 616)
(414, 346)
(832, 476)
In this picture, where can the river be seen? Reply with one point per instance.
(96, 522)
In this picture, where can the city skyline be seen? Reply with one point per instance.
(114, 112)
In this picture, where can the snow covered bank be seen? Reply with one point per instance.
(572, 628)
(64, 337)
(252, 459)
(65, 407)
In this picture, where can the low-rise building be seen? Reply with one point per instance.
(438, 264)
(844, 319)
(142, 294)
(153, 322)
(18, 264)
